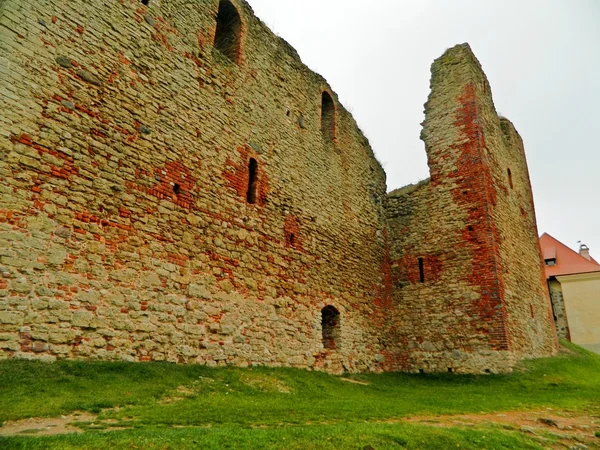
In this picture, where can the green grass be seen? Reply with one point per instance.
(321, 437)
(262, 407)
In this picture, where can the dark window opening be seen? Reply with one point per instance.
(421, 271)
(252, 178)
(327, 116)
(510, 183)
(550, 261)
(531, 310)
(470, 228)
(450, 370)
(227, 36)
(176, 189)
(421, 370)
(488, 371)
(291, 239)
(145, 2)
(330, 323)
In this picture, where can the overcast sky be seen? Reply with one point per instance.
(542, 59)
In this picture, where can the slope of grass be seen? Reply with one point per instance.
(274, 396)
(319, 437)
(267, 406)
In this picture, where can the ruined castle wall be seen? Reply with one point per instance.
(436, 324)
(125, 226)
(469, 268)
(526, 297)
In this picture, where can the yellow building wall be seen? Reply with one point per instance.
(581, 294)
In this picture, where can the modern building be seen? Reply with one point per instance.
(574, 284)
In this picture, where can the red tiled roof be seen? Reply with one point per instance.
(568, 261)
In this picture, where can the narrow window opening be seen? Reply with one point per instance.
(531, 310)
(421, 271)
(252, 176)
(470, 228)
(330, 324)
(145, 2)
(510, 182)
(176, 189)
(450, 370)
(227, 35)
(292, 240)
(327, 116)
(488, 371)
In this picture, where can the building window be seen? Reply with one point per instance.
(550, 261)
(510, 182)
(421, 271)
(252, 181)
(330, 324)
(228, 34)
(145, 2)
(327, 116)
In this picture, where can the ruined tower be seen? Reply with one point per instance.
(463, 244)
(176, 185)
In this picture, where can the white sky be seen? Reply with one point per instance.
(542, 58)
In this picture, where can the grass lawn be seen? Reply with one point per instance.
(185, 406)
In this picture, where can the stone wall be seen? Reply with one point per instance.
(176, 185)
(465, 263)
(125, 226)
(558, 309)
(528, 307)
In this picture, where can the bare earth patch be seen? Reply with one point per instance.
(44, 426)
(350, 380)
(552, 429)
(569, 430)
(265, 383)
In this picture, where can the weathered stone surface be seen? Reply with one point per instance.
(89, 77)
(206, 206)
(69, 105)
(39, 347)
(11, 317)
(65, 62)
(82, 318)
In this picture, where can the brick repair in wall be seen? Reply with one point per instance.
(222, 230)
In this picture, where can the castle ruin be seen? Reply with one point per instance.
(175, 184)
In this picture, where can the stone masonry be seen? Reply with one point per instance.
(176, 185)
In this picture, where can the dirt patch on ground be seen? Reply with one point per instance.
(350, 380)
(265, 383)
(553, 429)
(46, 426)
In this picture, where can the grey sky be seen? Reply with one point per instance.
(542, 59)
